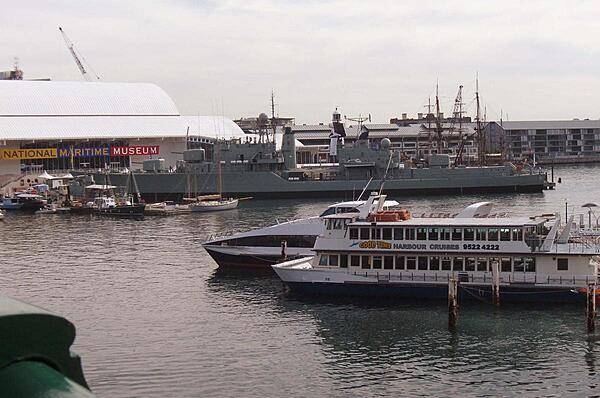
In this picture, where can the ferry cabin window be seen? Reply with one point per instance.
(388, 262)
(411, 263)
(445, 233)
(433, 234)
(517, 234)
(376, 233)
(421, 233)
(399, 264)
(398, 233)
(505, 234)
(434, 263)
(365, 262)
(364, 233)
(377, 261)
(469, 234)
(505, 264)
(343, 261)
(456, 234)
(355, 261)
(562, 264)
(482, 264)
(446, 263)
(422, 263)
(333, 260)
(493, 234)
(409, 234)
(519, 265)
(458, 264)
(353, 233)
(470, 264)
(480, 234)
(491, 262)
(529, 264)
(387, 233)
(338, 224)
(328, 224)
(323, 260)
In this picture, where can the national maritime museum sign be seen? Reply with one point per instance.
(78, 152)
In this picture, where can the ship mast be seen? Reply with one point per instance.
(438, 122)
(457, 116)
(480, 134)
(273, 124)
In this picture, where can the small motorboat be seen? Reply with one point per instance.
(29, 202)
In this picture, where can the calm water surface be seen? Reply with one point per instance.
(155, 319)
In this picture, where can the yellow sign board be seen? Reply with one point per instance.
(375, 244)
(19, 154)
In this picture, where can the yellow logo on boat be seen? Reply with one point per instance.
(36, 153)
(374, 244)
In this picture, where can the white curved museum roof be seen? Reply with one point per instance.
(49, 110)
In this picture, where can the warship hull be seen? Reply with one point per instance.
(156, 187)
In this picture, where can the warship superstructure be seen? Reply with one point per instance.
(255, 167)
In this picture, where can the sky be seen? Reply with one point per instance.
(536, 60)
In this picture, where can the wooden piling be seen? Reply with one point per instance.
(591, 308)
(283, 250)
(452, 303)
(495, 283)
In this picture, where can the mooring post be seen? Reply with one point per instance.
(452, 303)
(283, 247)
(591, 308)
(496, 283)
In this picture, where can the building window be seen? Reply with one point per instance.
(364, 233)
(562, 264)
(353, 233)
(398, 233)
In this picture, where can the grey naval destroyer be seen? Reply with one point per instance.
(256, 168)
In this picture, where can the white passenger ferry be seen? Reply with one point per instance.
(261, 248)
(389, 253)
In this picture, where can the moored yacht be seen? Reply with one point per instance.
(262, 247)
(391, 254)
(28, 202)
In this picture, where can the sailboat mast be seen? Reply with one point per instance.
(219, 181)
(273, 124)
(438, 122)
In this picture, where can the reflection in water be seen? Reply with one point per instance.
(154, 318)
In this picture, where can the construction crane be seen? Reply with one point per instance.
(77, 59)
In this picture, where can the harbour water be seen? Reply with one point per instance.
(155, 319)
